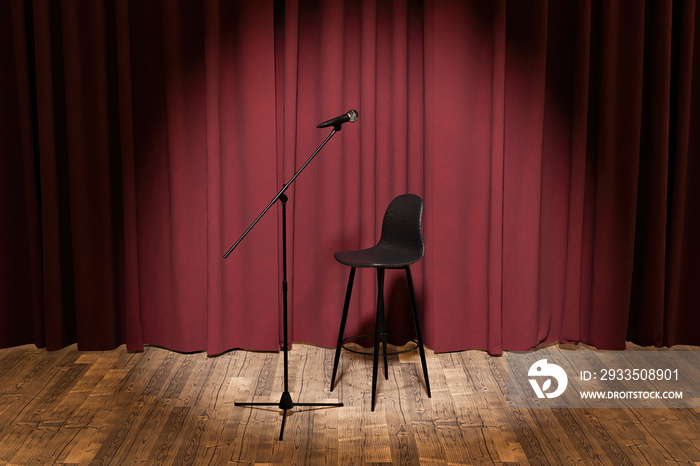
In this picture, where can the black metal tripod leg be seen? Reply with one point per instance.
(421, 350)
(238, 403)
(348, 293)
(284, 421)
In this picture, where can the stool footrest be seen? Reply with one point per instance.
(371, 351)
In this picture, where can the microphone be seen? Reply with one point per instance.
(351, 116)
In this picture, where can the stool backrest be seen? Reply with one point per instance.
(401, 227)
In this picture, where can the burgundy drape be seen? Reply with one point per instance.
(554, 143)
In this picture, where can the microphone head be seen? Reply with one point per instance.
(353, 115)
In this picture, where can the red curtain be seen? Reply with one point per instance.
(337, 56)
(203, 93)
(554, 144)
(20, 234)
(154, 132)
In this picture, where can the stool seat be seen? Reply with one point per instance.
(378, 256)
(400, 245)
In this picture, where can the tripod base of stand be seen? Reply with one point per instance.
(286, 404)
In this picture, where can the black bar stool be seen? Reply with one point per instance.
(400, 245)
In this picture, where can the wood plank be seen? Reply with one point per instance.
(164, 407)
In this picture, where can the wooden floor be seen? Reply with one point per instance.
(164, 407)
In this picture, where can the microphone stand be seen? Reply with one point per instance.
(285, 403)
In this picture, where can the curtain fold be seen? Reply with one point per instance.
(80, 175)
(555, 145)
(680, 322)
(21, 290)
(203, 103)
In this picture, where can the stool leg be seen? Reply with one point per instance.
(377, 331)
(386, 364)
(381, 315)
(342, 325)
(421, 350)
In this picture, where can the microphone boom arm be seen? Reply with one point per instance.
(281, 193)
